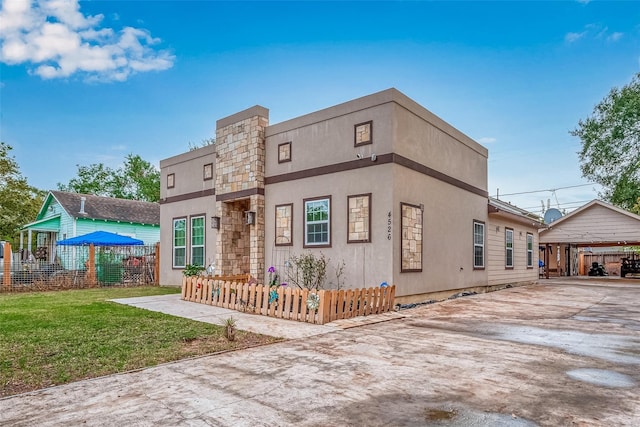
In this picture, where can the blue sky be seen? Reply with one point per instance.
(91, 82)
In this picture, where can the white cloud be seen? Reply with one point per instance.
(56, 40)
(572, 37)
(615, 37)
(593, 31)
(486, 140)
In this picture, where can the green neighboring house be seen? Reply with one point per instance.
(64, 215)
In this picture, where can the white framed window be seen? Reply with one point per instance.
(197, 240)
(317, 222)
(179, 242)
(508, 247)
(529, 250)
(478, 244)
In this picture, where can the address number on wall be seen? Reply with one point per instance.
(389, 225)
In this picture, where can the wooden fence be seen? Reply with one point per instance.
(289, 303)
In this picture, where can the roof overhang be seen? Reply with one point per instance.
(51, 223)
(496, 212)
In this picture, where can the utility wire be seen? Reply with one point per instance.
(537, 208)
(543, 191)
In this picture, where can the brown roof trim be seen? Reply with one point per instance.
(188, 196)
(381, 160)
(242, 194)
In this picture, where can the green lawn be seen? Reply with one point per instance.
(53, 338)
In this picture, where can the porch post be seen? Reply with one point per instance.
(6, 281)
(91, 266)
(29, 241)
(156, 267)
(546, 260)
(21, 240)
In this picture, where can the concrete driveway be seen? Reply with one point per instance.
(560, 353)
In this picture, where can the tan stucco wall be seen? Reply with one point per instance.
(188, 168)
(448, 234)
(321, 143)
(424, 138)
(367, 264)
(169, 211)
(400, 126)
(496, 254)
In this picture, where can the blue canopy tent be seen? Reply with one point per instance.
(100, 238)
(110, 263)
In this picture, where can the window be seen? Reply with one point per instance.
(508, 246)
(317, 222)
(359, 218)
(529, 250)
(179, 243)
(363, 134)
(284, 152)
(411, 238)
(197, 240)
(207, 171)
(171, 180)
(478, 245)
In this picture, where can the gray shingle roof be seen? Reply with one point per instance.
(109, 208)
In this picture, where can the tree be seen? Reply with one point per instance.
(137, 179)
(610, 140)
(203, 143)
(19, 202)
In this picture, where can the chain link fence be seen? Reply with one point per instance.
(77, 267)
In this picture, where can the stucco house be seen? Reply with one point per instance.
(64, 215)
(378, 182)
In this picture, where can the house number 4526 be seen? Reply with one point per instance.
(389, 225)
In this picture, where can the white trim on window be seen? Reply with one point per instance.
(317, 222)
(508, 248)
(478, 244)
(179, 243)
(197, 236)
(529, 250)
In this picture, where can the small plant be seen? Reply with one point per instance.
(308, 270)
(273, 277)
(230, 328)
(192, 270)
(339, 271)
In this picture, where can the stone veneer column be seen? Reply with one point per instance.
(240, 168)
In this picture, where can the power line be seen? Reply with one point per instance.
(536, 209)
(548, 190)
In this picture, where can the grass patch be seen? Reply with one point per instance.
(53, 338)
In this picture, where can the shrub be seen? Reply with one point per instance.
(192, 270)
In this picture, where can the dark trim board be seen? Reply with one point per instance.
(242, 194)
(188, 196)
(380, 160)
